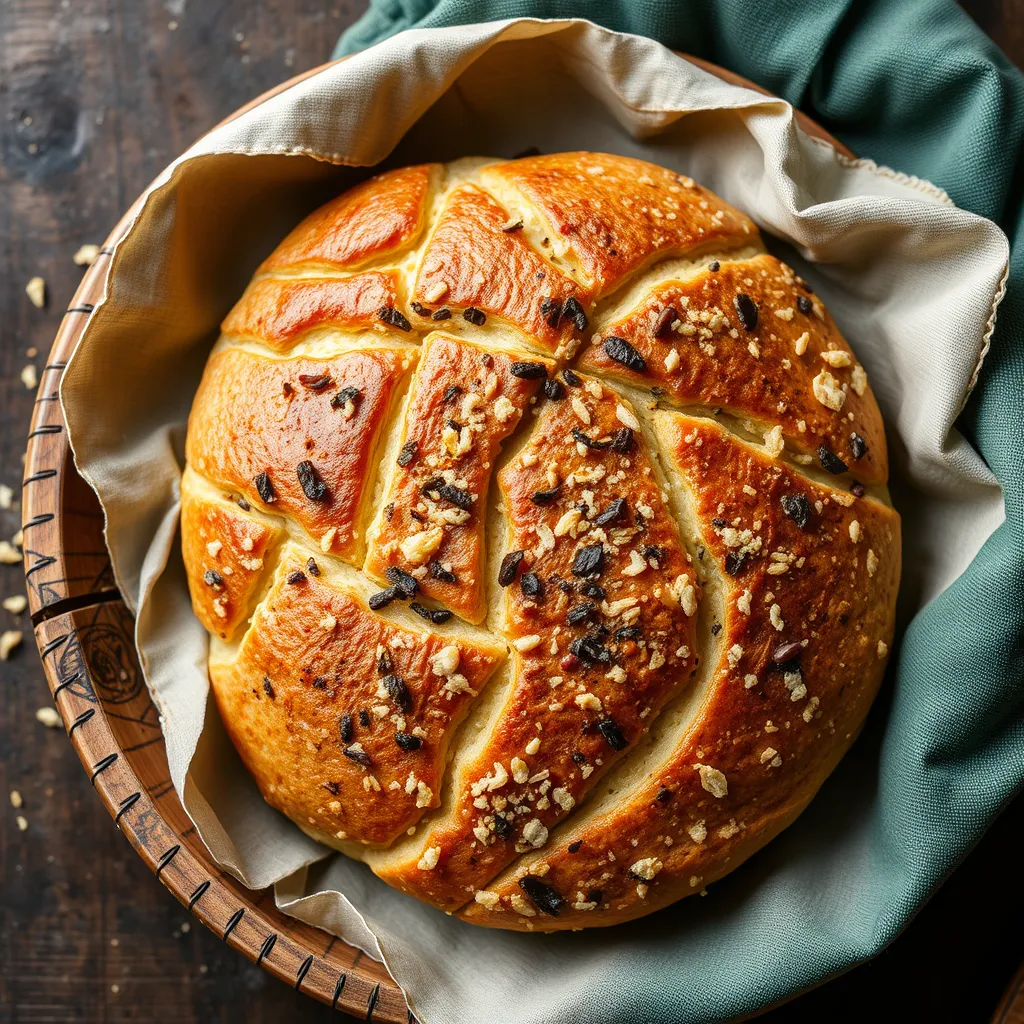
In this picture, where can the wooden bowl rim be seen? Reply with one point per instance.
(332, 971)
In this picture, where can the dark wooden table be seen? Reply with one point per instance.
(97, 97)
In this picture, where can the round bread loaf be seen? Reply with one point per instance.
(575, 696)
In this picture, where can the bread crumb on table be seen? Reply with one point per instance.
(49, 717)
(36, 292)
(86, 255)
(8, 641)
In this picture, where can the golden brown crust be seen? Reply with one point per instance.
(599, 651)
(278, 311)
(254, 415)
(766, 374)
(617, 214)
(316, 654)
(463, 402)
(648, 728)
(773, 727)
(224, 552)
(376, 218)
(460, 269)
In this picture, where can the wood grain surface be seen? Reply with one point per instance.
(97, 97)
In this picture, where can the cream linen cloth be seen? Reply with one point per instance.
(912, 281)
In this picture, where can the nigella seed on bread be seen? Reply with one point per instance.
(558, 656)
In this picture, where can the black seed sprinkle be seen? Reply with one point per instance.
(590, 650)
(591, 589)
(421, 610)
(364, 718)
(787, 652)
(503, 827)
(333, 788)
(734, 563)
(405, 582)
(573, 311)
(580, 612)
(550, 310)
(571, 378)
(419, 309)
(393, 318)
(629, 633)
(296, 576)
(344, 396)
(663, 795)
(268, 687)
(383, 598)
(554, 389)
(320, 682)
(511, 226)
(212, 578)
(714, 266)
(589, 442)
(441, 314)
(622, 441)
(345, 728)
(475, 316)
(575, 847)
(716, 629)
(243, 504)
(439, 572)
(452, 391)
(408, 453)
(589, 561)
(311, 567)
(312, 485)
(578, 758)
(529, 371)
(858, 490)
(610, 730)
(384, 663)
(315, 381)
(663, 326)
(531, 585)
(509, 568)
(359, 756)
(439, 616)
(264, 488)
(622, 352)
(614, 513)
(804, 304)
(831, 462)
(746, 310)
(719, 522)
(797, 507)
(543, 897)
(487, 359)
(457, 496)
(858, 446)
(398, 691)
(407, 741)
(546, 497)
(595, 895)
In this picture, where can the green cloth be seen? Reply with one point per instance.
(913, 84)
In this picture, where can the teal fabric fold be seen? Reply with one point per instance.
(917, 86)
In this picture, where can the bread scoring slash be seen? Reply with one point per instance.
(538, 517)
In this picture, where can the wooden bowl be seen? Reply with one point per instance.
(85, 636)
